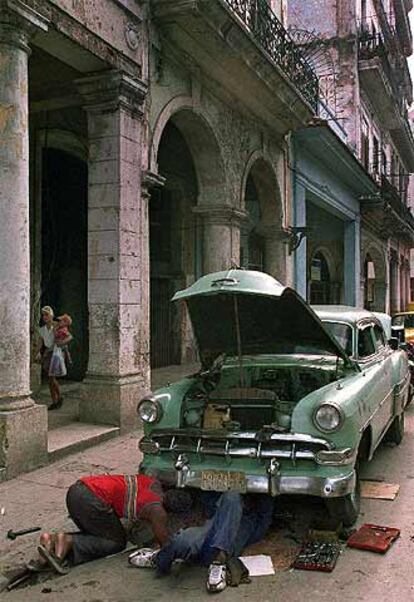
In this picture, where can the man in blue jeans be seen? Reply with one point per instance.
(238, 521)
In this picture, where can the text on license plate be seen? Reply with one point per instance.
(222, 480)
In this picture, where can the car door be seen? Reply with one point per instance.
(375, 362)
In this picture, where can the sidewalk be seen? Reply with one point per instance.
(38, 498)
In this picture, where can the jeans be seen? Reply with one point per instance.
(231, 529)
(101, 532)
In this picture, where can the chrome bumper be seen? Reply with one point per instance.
(273, 484)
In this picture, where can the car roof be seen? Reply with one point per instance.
(403, 313)
(343, 313)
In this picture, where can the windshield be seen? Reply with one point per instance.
(406, 320)
(342, 333)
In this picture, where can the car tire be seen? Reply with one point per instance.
(395, 433)
(346, 509)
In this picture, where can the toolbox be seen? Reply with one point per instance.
(374, 538)
(317, 556)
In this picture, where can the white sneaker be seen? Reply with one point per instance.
(217, 578)
(143, 558)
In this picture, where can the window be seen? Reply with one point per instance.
(384, 164)
(376, 155)
(363, 13)
(342, 333)
(365, 144)
(365, 342)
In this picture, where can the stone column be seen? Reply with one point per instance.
(221, 236)
(23, 425)
(352, 288)
(118, 273)
(276, 248)
(394, 281)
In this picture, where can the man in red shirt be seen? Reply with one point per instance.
(96, 504)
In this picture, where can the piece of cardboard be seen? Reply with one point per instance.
(258, 565)
(379, 491)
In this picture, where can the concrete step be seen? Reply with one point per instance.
(67, 414)
(77, 436)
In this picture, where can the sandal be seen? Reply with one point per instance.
(58, 565)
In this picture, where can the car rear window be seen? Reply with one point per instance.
(365, 342)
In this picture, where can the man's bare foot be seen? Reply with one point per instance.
(48, 540)
(63, 545)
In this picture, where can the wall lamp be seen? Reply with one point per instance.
(293, 236)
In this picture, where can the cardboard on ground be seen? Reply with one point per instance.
(258, 565)
(380, 491)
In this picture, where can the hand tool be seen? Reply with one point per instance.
(13, 534)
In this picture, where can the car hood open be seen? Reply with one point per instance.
(252, 312)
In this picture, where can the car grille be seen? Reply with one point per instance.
(247, 444)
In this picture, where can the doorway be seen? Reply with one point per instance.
(64, 274)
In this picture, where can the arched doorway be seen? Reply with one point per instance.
(173, 246)
(252, 244)
(320, 280)
(374, 278)
(64, 267)
(369, 279)
(261, 246)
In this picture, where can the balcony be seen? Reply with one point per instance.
(378, 78)
(243, 46)
(388, 212)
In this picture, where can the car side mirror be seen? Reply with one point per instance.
(394, 343)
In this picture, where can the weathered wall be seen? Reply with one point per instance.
(237, 136)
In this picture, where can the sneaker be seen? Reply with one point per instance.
(144, 558)
(217, 578)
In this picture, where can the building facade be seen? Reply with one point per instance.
(142, 144)
(368, 90)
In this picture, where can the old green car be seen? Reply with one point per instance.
(289, 399)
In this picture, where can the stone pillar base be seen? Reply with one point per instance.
(112, 401)
(23, 440)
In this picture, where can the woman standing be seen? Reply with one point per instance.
(47, 343)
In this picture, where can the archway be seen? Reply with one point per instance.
(320, 280)
(64, 246)
(261, 246)
(374, 278)
(369, 279)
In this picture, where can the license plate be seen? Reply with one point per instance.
(221, 480)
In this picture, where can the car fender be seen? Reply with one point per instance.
(347, 394)
(400, 373)
(170, 399)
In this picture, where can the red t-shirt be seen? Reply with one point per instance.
(128, 495)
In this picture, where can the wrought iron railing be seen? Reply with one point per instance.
(372, 45)
(394, 197)
(268, 31)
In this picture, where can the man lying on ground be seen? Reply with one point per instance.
(96, 504)
(237, 521)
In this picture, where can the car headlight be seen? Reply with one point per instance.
(149, 410)
(328, 418)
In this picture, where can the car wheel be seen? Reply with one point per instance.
(395, 433)
(346, 509)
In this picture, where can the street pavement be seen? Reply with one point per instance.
(37, 498)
